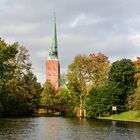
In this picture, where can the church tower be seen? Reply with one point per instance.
(52, 65)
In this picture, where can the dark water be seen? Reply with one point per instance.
(58, 128)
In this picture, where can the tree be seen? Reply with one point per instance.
(48, 94)
(22, 61)
(7, 54)
(100, 100)
(84, 73)
(20, 91)
(2, 44)
(77, 80)
(67, 98)
(134, 99)
(122, 75)
(97, 69)
(137, 62)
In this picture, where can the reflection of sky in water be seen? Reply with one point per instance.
(58, 128)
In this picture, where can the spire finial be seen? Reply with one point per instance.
(54, 12)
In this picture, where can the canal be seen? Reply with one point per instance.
(59, 128)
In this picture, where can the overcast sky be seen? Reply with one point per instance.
(111, 27)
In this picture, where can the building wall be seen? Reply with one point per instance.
(53, 72)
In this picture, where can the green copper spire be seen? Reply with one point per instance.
(53, 53)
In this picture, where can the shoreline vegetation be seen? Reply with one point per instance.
(129, 116)
(93, 86)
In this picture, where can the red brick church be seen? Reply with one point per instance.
(52, 64)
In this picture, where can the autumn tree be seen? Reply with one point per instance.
(97, 69)
(134, 99)
(86, 72)
(23, 96)
(137, 62)
(77, 80)
(19, 87)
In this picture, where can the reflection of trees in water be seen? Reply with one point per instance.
(114, 130)
(91, 129)
(59, 128)
(122, 130)
(15, 128)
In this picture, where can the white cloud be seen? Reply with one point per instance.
(79, 19)
(84, 19)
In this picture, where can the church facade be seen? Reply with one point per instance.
(52, 64)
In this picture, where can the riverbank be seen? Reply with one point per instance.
(130, 116)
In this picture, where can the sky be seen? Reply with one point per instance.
(111, 27)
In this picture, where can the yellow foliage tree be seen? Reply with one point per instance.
(134, 99)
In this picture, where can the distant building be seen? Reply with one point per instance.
(52, 64)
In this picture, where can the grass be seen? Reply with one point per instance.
(133, 116)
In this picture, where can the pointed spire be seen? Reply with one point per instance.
(53, 52)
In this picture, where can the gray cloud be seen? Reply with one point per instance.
(84, 26)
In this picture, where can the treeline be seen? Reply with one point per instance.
(95, 85)
(19, 89)
(92, 85)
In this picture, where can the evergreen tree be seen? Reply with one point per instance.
(122, 75)
(100, 101)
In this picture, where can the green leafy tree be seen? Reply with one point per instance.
(122, 75)
(77, 80)
(7, 54)
(67, 98)
(100, 101)
(48, 94)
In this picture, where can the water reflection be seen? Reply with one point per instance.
(59, 128)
